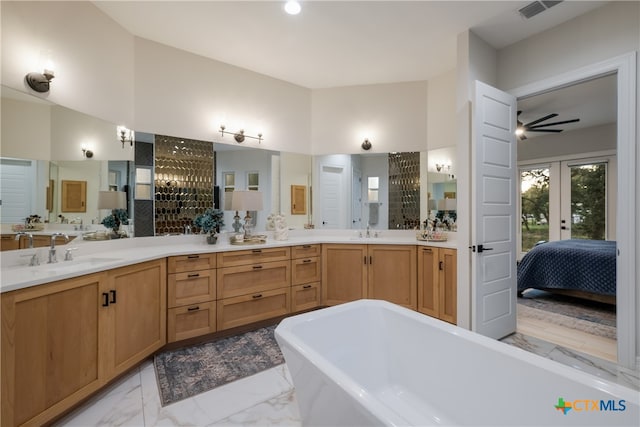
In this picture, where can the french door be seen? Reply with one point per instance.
(584, 212)
(567, 199)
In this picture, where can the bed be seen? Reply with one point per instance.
(584, 268)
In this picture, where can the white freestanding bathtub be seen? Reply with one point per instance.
(374, 363)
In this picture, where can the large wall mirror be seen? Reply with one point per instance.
(385, 191)
(283, 178)
(65, 190)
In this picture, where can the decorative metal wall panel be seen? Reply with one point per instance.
(184, 182)
(404, 190)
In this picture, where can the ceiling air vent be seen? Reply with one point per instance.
(532, 9)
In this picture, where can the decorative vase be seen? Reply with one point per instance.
(211, 239)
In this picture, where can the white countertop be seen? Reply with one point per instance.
(95, 256)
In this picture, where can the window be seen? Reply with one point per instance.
(534, 206)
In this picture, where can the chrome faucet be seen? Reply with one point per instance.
(368, 230)
(29, 235)
(52, 249)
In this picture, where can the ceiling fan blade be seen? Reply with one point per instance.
(541, 119)
(545, 130)
(554, 123)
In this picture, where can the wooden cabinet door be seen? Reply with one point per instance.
(136, 314)
(8, 242)
(344, 273)
(298, 200)
(448, 301)
(50, 348)
(392, 274)
(428, 278)
(74, 196)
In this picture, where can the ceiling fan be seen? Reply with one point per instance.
(538, 126)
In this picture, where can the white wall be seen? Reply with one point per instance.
(392, 116)
(604, 33)
(92, 56)
(26, 130)
(179, 93)
(441, 111)
(592, 139)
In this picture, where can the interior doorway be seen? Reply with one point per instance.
(623, 68)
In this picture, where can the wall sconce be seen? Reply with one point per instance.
(87, 154)
(240, 135)
(39, 81)
(366, 144)
(125, 135)
(440, 167)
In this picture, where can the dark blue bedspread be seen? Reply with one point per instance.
(584, 265)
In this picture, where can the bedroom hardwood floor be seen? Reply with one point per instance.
(603, 348)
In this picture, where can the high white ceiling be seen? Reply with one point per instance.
(335, 43)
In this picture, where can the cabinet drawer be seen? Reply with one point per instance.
(8, 242)
(247, 309)
(305, 251)
(305, 297)
(305, 270)
(246, 279)
(195, 262)
(191, 287)
(251, 256)
(191, 321)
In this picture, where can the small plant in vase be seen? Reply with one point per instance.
(209, 223)
(118, 217)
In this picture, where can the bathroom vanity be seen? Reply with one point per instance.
(70, 328)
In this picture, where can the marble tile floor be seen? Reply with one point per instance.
(266, 398)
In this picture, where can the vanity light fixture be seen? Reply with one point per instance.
(440, 167)
(366, 144)
(87, 154)
(40, 82)
(240, 135)
(125, 135)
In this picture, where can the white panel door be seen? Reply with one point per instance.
(15, 190)
(494, 204)
(331, 196)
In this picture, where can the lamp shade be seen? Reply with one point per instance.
(450, 204)
(112, 200)
(246, 200)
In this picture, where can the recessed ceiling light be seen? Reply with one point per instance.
(292, 7)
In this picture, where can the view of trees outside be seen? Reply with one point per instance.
(535, 206)
(589, 201)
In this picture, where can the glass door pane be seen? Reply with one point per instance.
(588, 201)
(534, 206)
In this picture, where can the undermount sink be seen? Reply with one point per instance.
(73, 265)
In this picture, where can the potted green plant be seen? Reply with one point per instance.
(209, 223)
(118, 217)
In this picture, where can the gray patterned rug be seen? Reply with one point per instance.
(593, 317)
(189, 371)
